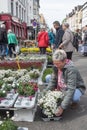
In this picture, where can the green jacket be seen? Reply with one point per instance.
(72, 79)
(12, 39)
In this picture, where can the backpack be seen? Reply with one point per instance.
(74, 41)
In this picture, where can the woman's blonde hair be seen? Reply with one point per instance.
(59, 55)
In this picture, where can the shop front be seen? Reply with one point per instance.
(19, 28)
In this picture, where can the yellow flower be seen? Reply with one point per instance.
(34, 50)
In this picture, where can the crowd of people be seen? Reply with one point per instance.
(8, 42)
(65, 76)
(64, 38)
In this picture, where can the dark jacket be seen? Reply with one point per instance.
(85, 38)
(58, 37)
(72, 80)
(3, 36)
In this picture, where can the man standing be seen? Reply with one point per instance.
(3, 41)
(59, 34)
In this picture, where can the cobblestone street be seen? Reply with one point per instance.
(72, 119)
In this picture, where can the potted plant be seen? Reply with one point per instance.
(2, 93)
(46, 72)
(49, 102)
(49, 59)
(27, 89)
(8, 125)
(34, 74)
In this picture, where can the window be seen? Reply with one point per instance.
(17, 10)
(20, 11)
(34, 11)
(22, 14)
(12, 7)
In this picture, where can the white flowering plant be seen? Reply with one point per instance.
(34, 74)
(49, 102)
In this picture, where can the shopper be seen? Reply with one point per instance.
(51, 38)
(66, 78)
(77, 39)
(59, 34)
(3, 41)
(12, 42)
(43, 40)
(67, 41)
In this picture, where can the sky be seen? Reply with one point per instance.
(57, 9)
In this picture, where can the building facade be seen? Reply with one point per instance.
(42, 20)
(21, 13)
(13, 14)
(75, 18)
(84, 15)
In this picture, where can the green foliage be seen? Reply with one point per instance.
(46, 72)
(8, 125)
(7, 88)
(34, 75)
(26, 89)
(2, 94)
(49, 58)
(1, 83)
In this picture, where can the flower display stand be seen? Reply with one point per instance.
(25, 109)
(25, 114)
(9, 100)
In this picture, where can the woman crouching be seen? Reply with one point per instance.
(66, 78)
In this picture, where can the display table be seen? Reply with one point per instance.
(8, 101)
(25, 109)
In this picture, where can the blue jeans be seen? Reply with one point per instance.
(48, 78)
(77, 95)
(3, 49)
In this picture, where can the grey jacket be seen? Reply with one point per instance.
(72, 79)
(67, 41)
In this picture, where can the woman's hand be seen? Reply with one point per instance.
(60, 111)
(61, 46)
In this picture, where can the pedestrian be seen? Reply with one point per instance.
(12, 42)
(67, 41)
(51, 38)
(85, 35)
(77, 39)
(59, 34)
(66, 78)
(3, 41)
(43, 40)
(85, 40)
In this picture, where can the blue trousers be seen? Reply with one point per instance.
(77, 95)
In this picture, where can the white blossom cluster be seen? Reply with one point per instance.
(24, 79)
(38, 58)
(35, 72)
(23, 75)
(49, 102)
(32, 57)
(8, 80)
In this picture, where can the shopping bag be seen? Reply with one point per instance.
(17, 49)
(81, 48)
